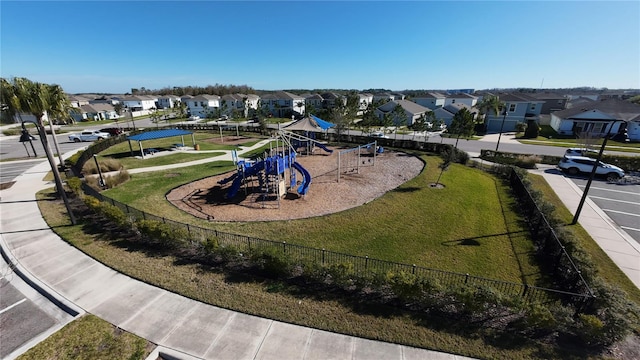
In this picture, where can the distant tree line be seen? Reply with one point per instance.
(217, 89)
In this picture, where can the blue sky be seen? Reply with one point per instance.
(112, 46)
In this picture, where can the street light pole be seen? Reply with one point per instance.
(504, 116)
(591, 176)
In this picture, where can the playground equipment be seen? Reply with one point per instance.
(350, 160)
(271, 171)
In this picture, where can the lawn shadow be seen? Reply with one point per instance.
(473, 241)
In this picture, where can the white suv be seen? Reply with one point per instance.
(574, 165)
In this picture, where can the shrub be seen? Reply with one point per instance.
(106, 165)
(73, 159)
(112, 181)
(532, 131)
(165, 235)
(113, 213)
(273, 262)
(75, 184)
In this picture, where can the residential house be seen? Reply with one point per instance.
(599, 118)
(461, 98)
(283, 104)
(365, 100)
(446, 113)
(432, 100)
(111, 100)
(139, 102)
(205, 106)
(412, 111)
(384, 97)
(96, 112)
(77, 100)
(520, 108)
(552, 102)
(167, 101)
(313, 101)
(330, 99)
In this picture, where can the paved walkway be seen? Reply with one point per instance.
(619, 246)
(181, 327)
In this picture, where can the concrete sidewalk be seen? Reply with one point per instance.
(181, 327)
(619, 246)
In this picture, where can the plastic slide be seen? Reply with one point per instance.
(306, 179)
(235, 186)
(249, 170)
(324, 147)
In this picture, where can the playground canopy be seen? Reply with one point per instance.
(158, 134)
(310, 123)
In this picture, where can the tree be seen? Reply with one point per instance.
(38, 99)
(60, 109)
(462, 125)
(399, 117)
(490, 104)
(155, 116)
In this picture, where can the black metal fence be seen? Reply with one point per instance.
(359, 265)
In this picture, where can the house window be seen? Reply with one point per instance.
(512, 107)
(453, 101)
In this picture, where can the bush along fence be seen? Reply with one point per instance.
(352, 264)
(597, 315)
(528, 161)
(594, 320)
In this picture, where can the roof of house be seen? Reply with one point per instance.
(509, 97)
(407, 105)
(206, 97)
(618, 109)
(97, 107)
(548, 96)
(461, 96)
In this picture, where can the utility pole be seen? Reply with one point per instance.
(591, 176)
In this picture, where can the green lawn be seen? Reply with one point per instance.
(468, 227)
(206, 141)
(89, 337)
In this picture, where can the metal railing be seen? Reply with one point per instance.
(358, 265)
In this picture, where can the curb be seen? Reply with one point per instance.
(61, 302)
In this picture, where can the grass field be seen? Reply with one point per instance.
(249, 294)
(468, 227)
(89, 337)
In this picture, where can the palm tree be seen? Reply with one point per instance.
(60, 109)
(490, 104)
(38, 99)
(10, 108)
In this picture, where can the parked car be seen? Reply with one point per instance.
(379, 134)
(89, 135)
(581, 152)
(194, 118)
(575, 165)
(112, 131)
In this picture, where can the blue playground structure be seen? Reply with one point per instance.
(268, 172)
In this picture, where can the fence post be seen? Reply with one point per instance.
(284, 247)
(249, 242)
(322, 256)
(366, 262)
(413, 271)
(466, 278)
(526, 290)
(189, 230)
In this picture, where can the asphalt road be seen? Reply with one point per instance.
(621, 202)
(26, 316)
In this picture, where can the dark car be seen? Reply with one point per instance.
(112, 131)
